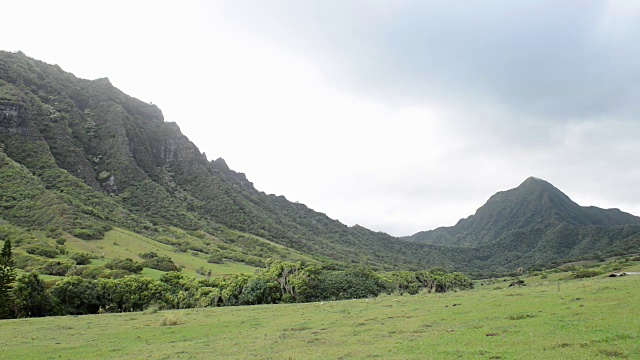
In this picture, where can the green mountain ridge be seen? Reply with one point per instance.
(533, 204)
(79, 158)
(120, 150)
(533, 226)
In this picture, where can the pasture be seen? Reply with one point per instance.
(549, 319)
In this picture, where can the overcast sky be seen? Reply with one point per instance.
(396, 115)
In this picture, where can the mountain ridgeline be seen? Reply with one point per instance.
(80, 157)
(532, 205)
(534, 225)
(84, 157)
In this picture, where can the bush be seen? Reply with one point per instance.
(151, 310)
(585, 273)
(148, 255)
(162, 263)
(28, 262)
(81, 258)
(56, 268)
(125, 264)
(215, 259)
(114, 274)
(87, 272)
(181, 248)
(171, 320)
(42, 249)
(61, 241)
(84, 234)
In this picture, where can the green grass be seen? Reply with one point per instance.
(551, 319)
(119, 243)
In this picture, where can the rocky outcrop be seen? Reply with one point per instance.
(237, 179)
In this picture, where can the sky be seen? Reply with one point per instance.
(399, 115)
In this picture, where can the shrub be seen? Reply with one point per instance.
(57, 268)
(42, 249)
(171, 320)
(85, 234)
(544, 275)
(585, 273)
(81, 258)
(215, 259)
(87, 272)
(114, 274)
(125, 264)
(28, 262)
(61, 241)
(151, 310)
(162, 263)
(148, 255)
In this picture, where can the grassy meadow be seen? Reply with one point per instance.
(120, 243)
(548, 319)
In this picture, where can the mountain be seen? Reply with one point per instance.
(102, 159)
(533, 225)
(86, 165)
(534, 204)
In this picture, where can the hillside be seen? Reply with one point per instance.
(533, 225)
(100, 158)
(81, 160)
(532, 205)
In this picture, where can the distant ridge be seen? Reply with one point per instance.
(533, 204)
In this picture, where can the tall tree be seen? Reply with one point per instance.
(7, 277)
(30, 296)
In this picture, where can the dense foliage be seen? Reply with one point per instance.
(280, 282)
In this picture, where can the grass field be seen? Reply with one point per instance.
(549, 319)
(119, 243)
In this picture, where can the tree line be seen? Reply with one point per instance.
(280, 282)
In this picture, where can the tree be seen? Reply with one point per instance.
(7, 277)
(31, 297)
(74, 295)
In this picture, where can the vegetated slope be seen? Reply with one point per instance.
(113, 158)
(532, 205)
(535, 225)
(82, 157)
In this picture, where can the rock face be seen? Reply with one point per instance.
(239, 180)
(14, 120)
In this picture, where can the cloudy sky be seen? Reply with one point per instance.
(396, 115)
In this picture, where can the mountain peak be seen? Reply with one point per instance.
(535, 181)
(534, 205)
